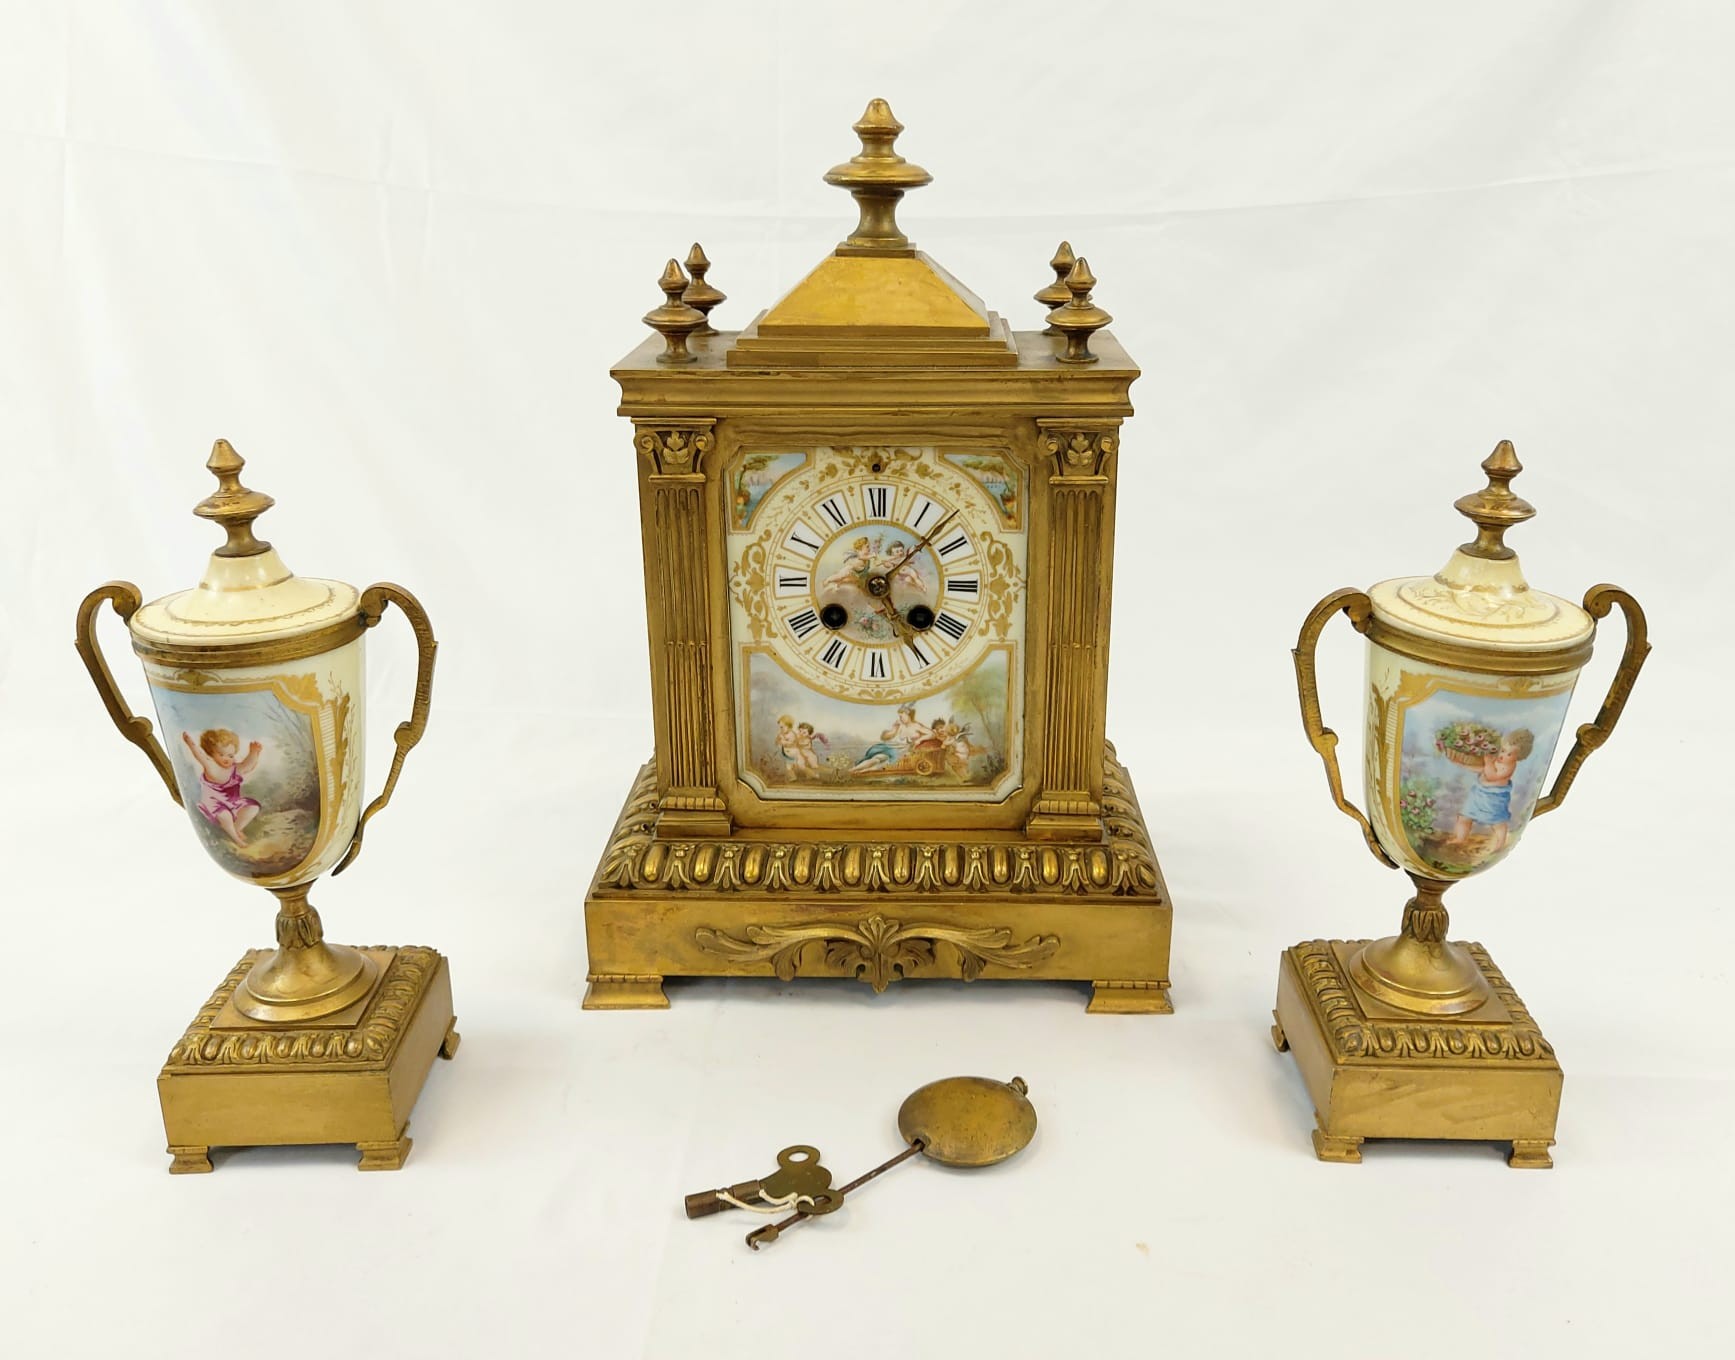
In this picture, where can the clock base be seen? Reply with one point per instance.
(880, 910)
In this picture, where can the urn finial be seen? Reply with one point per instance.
(1495, 508)
(232, 505)
(674, 320)
(700, 295)
(1057, 294)
(1080, 316)
(877, 178)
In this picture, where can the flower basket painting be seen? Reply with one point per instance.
(1467, 743)
(1473, 766)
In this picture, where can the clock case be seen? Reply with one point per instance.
(879, 346)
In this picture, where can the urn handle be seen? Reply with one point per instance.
(1358, 607)
(125, 598)
(1598, 600)
(373, 608)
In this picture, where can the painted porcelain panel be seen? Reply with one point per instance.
(839, 694)
(268, 759)
(1455, 761)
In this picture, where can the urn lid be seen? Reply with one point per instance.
(1479, 604)
(249, 608)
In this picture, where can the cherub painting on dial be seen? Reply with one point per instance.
(879, 622)
(951, 739)
(1473, 769)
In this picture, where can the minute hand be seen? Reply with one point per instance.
(880, 584)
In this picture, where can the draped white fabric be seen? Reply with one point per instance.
(390, 251)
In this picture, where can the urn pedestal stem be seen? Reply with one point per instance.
(305, 977)
(1418, 969)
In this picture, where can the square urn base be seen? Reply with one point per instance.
(1377, 1072)
(352, 1077)
(880, 909)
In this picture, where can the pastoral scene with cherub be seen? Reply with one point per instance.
(1472, 769)
(248, 772)
(803, 743)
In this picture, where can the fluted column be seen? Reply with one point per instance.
(678, 591)
(1080, 547)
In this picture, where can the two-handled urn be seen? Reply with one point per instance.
(257, 679)
(1469, 673)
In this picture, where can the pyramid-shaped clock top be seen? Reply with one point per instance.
(878, 303)
(876, 300)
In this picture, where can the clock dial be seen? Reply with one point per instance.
(878, 622)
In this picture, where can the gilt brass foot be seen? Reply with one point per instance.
(449, 1045)
(386, 1156)
(189, 1161)
(625, 992)
(1531, 1154)
(1279, 1040)
(1331, 1148)
(1130, 998)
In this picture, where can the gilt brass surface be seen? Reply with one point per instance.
(1377, 1071)
(713, 871)
(879, 910)
(348, 1077)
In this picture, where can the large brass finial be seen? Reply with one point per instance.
(1494, 508)
(876, 178)
(1080, 316)
(700, 295)
(233, 505)
(1057, 293)
(674, 320)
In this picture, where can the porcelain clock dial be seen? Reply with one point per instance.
(877, 621)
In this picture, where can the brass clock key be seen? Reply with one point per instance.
(799, 1182)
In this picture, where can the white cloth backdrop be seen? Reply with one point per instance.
(391, 249)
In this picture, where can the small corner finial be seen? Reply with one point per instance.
(1495, 508)
(877, 177)
(699, 295)
(1080, 316)
(232, 505)
(674, 320)
(1057, 294)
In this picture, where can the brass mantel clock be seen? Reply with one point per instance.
(877, 537)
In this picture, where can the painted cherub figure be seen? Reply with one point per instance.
(857, 564)
(901, 566)
(788, 744)
(217, 753)
(1490, 800)
(806, 758)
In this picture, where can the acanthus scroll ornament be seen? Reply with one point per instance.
(1121, 865)
(878, 950)
(1080, 453)
(675, 451)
